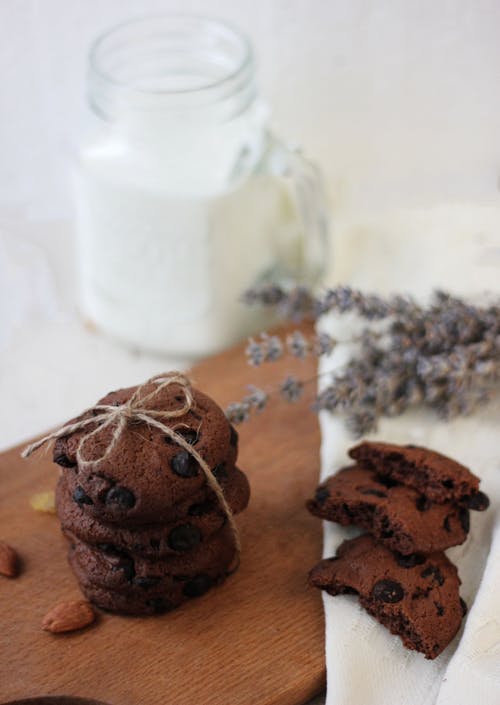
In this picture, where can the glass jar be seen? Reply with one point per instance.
(184, 197)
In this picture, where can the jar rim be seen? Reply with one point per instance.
(244, 65)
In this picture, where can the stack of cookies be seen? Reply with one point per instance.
(146, 531)
(414, 503)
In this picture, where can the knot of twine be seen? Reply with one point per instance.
(136, 410)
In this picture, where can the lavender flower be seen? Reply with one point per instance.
(298, 345)
(237, 412)
(291, 389)
(257, 399)
(255, 353)
(295, 304)
(323, 344)
(273, 347)
(445, 356)
(269, 349)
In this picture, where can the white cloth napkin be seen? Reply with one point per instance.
(457, 248)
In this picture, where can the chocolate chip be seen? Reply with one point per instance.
(233, 438)
(479, 502)
(420, 593)
(386, 481)
(128, 568)
(432, 571)
(145, 582)
(321, 495)
(189, 435)
(371, 490)
(464, 518)
(410, 561)
(184, 537)
(220, 472)
(388, 591)
(449, 484)
(197, 586)
(184, 465)
(155, 544)
(64, 461)
(159, 605)
(108, 548)
(198, 510)
(81, 497)
(423, 504)
(120, 496)
(439, 609)
(347, 510)
(122, 561)
(446, 523)
(463, 605)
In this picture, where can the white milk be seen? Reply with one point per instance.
(163, 268)
(184, 200)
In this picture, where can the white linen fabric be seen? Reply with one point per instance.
(456, 248)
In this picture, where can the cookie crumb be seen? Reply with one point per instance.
(44, 502)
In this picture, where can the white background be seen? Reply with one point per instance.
(397, 88)
(397, 100)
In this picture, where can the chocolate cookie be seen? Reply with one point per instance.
(397, 515)
(120, 571)
(435, 476)
(150, 604)
(147, 473)
(416, 597)
(200, 516)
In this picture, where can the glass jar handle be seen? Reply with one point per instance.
(307, 191)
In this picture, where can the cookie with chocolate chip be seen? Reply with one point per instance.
(147, 472)
(416, 598)
(202, 513)
(147, 526)
(152, 603)
(110, 568)
(398, 516)
(434, 475)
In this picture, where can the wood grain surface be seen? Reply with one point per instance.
(258, 639)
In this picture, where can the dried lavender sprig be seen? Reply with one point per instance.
(269, 349)
(257, 399)
(445, 356)
(324, 344)
(298, 345)
(291, 389)
(295, 304)
(343, 299)
(238, 412)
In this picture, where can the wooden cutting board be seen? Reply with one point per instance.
(258, 639)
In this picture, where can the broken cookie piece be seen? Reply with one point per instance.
(398, 516)
(416, 597)
(434, 475)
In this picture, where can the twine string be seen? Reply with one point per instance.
(136, 410)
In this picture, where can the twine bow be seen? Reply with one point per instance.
(136, 410)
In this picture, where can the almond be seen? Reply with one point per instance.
(9, 563)
(68, 616)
